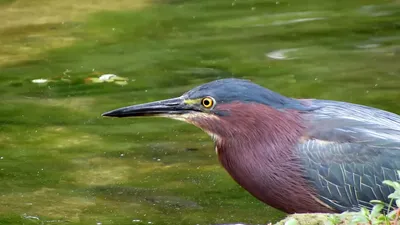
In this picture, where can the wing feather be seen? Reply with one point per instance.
(348, 151)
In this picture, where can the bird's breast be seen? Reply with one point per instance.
(277, 182)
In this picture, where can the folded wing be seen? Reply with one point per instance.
(348, 151)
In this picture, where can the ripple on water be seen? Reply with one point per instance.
(375, 10)
(368, 46)
(172, 201)
(301, 20)
(232, 224)
(205, 72)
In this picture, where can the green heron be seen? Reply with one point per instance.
(296, 155)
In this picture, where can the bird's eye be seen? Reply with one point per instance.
(207, 102)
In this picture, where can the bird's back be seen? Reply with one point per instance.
(348, 151)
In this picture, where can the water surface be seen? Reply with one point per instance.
(62, 163)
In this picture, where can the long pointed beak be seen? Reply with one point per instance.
(158, 108)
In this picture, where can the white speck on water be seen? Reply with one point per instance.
(280, 54)
(277, 3)
(253, 8)
(40, 81)
(113, 29)
(158, 160)
(2, 157)
(122, 155)
(135, 221)
(149, 222)
(368, 46)
(145, 90)
(98, 223)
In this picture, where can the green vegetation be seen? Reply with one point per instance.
(376, 216)
(61, 163)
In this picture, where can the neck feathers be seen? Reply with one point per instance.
(257, 146)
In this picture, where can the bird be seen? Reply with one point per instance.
(296, 155)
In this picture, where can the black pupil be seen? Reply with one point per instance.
(206, 102)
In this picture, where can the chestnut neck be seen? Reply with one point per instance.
(257, 146)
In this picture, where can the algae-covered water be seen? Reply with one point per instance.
(62, 163)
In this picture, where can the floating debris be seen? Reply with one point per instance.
(109, 78)
(25, 216)
(280, 54)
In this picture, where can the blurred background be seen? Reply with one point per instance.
(63, 63)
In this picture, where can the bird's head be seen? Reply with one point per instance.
(220, 107)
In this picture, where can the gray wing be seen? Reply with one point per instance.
(348, 151)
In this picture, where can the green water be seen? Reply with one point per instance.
(61, 163)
